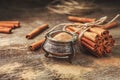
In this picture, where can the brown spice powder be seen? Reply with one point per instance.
(63, 37)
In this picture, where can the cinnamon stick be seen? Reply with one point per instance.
(7, 25)
(100, 51)
(80, 19)
(92, 36)
(111, 41)
(108, 49)
(110, 25)
(5, 30)
(15, 23)
(36, 45)
(99, 31)
(99, 42)
(92, 44)
(88, 46)
(71, 28)
(36, 31)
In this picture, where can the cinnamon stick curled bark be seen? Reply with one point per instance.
(15, 23)
(92, 44)
(80, 19)
(36, 31)
(36, 45)
(7, 25)
(91, 36)
(110, 25)
(99, 31)
(100, 51)
(73, 29)
(5, 30)
(88, 46)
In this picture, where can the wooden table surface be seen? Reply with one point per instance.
(17, 62)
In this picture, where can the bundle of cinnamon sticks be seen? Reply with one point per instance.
(7, 26)
(98, 40)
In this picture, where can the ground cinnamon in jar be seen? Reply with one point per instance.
(63, 37)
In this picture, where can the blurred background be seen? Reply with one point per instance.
(73, 7)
